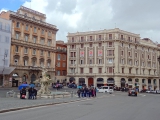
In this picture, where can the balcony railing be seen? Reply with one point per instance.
(32, 19)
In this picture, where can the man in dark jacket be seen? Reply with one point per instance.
(22, 93)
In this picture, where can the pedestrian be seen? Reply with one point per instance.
(23, 93)
(29, 93)
(95, 91)
(35, 93)
(79, 92)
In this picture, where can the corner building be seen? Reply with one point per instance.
(33, 45)
(112, 57)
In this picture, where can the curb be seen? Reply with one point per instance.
(34, 106)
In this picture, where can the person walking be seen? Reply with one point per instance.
(79, 92)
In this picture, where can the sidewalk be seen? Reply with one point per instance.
(11, 104)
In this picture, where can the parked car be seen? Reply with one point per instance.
(72, 85)
(105, 89)
(148, 91)
(132, 92)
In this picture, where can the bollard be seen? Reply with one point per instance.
(53, 96)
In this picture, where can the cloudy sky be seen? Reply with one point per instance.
(137, 16)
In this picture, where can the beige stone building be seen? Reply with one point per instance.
(112, 57)
(33, 45)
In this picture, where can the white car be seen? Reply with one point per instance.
(106, 89)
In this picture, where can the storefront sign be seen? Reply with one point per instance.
(81, 53)
(91, 53)
(100, 52)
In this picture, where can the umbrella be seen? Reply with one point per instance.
(22, 86)
(31, 85)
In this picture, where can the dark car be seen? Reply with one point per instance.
(72, 85)
(132, 93)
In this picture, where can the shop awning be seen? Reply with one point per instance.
(6, 70)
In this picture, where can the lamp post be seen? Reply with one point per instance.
(159, 63)
(5, 55)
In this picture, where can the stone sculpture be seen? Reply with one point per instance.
(44, 82)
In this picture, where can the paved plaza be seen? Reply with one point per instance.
(117, 106)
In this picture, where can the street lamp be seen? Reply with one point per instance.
(5, 55)
(159, 63)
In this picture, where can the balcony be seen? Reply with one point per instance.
(72, 65)
(33, 20)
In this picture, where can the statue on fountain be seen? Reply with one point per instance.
(45, 82)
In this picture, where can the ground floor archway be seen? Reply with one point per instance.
(90, 82)
(81, 81)
(71, 79)
(100, 82)
(110, 82)
(123, 82)
(33, 78)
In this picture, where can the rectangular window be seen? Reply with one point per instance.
(35, 29)
(110, 60)
(81, 45)
(90, 61)
(26, 37)
(81, 70)
(81, 61)
(7, 27)
(41, 52)
(25, 62)
(58, 57)
(64, 57)
(64, 64)
(42, 32)
(90, 70)
(18, 25)
(100, 44)
(100, 70)
(26, 27)
(34, 39)
(48, 64)
(25, 50)
(17, 35)
(42, 41)
(16, 48)
(110, 44)
(15, 61)
(58, 64)
(100, 61)
(110, 70)
(121, 52)
(48, 54)
(130, 70)
(58, 72)
(49, 42)
(122, 70)
(49, 33)
(7, 39)
(110, 36)
(34, 51)
(90, 45)
(33, 63)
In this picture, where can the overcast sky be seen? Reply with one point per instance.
(137, 16)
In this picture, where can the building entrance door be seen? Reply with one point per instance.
(33, 78)
(90, 81)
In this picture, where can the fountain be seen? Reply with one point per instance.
(45, 82)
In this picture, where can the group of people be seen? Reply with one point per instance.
(86, 92)
(32, 93)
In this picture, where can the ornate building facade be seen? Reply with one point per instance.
(33, 45)
(112, 57)
(5, 43)
(61, 62)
